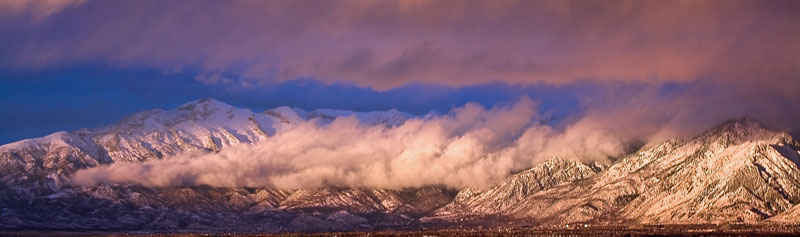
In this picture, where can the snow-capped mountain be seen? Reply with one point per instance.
(205, 124)
(735, 172)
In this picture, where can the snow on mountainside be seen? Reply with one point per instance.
(205, 124)
(510, 192)
(410, 202)
(737, 171)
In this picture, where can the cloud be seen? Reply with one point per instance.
(213, 79)
(386, 44)
(37, 10)
(469, 147)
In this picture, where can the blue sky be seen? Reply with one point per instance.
(39, 102)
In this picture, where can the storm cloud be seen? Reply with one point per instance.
(385, 44)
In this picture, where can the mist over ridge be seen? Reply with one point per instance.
(471, 146)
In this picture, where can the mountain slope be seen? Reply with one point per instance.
(205, 124)
(509, 193)
(737, 171)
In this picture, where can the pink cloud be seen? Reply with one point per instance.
(385, 44)
(37, 10)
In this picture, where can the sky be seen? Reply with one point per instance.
(681, 66)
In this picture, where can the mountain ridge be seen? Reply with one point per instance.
(737, 171)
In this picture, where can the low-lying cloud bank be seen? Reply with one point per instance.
(469, 147)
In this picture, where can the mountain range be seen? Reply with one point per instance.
(736, 172)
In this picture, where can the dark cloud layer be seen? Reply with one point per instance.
(385, 44)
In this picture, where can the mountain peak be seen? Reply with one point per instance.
(205, 104)
(738, 130)
(205, 101)
(745, 120)
(743, 124)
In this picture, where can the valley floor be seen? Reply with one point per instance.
(639, 230)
